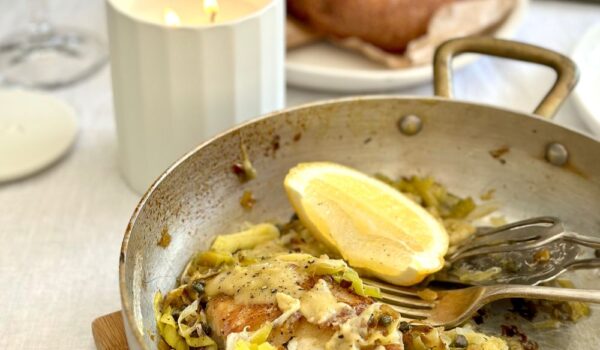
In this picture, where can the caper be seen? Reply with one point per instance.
(404, 327)
(385, 320)
(198, 286)
(460, 342)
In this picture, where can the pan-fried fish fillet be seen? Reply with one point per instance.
(225, 316)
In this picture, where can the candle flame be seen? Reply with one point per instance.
(211, 8)
(171, 17)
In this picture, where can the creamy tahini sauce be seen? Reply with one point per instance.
(258, 283)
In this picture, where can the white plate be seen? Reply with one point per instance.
(587, 93)
(35, 131)
(323, 66)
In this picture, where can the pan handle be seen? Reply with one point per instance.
(566, 71)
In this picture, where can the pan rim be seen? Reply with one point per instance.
(126, 302)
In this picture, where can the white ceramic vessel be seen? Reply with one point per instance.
(174, 87)
(36, 130)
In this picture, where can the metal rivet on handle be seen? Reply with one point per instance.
(410, 124)
(557, 154)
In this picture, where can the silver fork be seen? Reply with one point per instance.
(520, 235)
(453, 307)
(516, 243)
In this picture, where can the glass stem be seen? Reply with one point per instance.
(39, 25)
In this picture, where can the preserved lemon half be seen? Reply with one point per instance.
(374, 227)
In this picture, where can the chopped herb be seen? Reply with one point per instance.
(198, 286)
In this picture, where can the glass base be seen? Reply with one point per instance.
(50, 59)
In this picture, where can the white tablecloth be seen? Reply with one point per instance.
(60, 230)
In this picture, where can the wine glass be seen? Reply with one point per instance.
(45, 56)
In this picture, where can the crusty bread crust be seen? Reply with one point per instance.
(388, 24)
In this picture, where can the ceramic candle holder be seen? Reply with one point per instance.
(180, 79)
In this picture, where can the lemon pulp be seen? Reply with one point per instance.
(370, 224)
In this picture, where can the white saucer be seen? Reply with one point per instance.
(323, 66)
(587, 93)
(35, 131)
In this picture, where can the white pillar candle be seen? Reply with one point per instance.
(183, 72)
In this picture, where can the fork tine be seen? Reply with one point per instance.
(408, 302)
(476, 248)
(520, 230)
(523, 223)
(399, 296)
(520, 235)
(391, 288)
(415, 314)
(587, 241)
(527, 245)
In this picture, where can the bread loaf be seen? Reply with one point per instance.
(388, 24)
